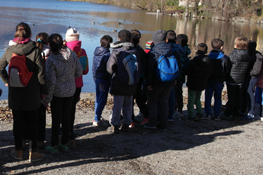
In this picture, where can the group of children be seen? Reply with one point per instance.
(153, 78)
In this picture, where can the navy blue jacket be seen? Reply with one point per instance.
(100, 59)
(153, 56)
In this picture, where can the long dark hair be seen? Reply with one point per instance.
(41, 38)
(56, 43)
(22, 31)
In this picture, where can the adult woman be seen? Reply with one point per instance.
(62, 67)
(25, 101)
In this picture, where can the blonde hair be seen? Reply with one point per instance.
(241, 43)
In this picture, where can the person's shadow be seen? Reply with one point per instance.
(97, 144)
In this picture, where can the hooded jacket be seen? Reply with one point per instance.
(117, 88)
(159, 49)
(62, 70)
(236, 66)
(218, 59)
(198, 71)
(99, 67)
(76, 47)
(25, 98)
(255, 71)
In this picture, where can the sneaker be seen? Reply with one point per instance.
(52, 149)
(217, 117)
(149, 126)
(125, 128)
(101, 122)
(35, 156)
(114, 129)
(140, 114)
(200, 116)
(132, 125)
(145, 121)
(178, 114)
(63, 148)
(208, 117)
(17, 154)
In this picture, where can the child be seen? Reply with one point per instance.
(171, 40)
(198, 71)
(62, 68)
(254, 73)
(101, 78)
(148, 46)
(72, 42)
(216, 80)
(122, 93)
(140, 97)
(42, 44)
(158, 91)
(236, 68)
(184, 51)
(25, 101)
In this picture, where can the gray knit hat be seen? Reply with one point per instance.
(159, 36)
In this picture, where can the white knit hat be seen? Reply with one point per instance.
(72, 35)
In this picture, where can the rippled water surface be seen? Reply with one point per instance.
(95, 20)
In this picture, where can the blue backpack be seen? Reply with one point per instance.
(127, 68)
(167, 68)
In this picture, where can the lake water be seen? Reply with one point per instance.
(56, 16)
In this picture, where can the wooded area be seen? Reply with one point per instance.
(225, 9)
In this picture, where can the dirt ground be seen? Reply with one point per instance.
(204, 147)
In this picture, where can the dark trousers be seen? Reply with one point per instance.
(245, 105)
(158, 104)
(233, 105)
(72, 113)
(25, 121)
(178, 94)
(141, 98)
(41, 123)
(171, 103)
(60, 109)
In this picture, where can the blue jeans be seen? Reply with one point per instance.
(216, 89)
(102, 89)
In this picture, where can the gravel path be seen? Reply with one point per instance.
(204, 147)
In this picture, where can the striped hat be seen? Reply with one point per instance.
(149, 45)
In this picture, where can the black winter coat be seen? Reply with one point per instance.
(198, 70)
(236, 67)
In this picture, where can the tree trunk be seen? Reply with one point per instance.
(187, 9)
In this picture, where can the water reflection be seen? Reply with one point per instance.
(94, 20)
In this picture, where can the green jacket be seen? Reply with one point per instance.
(25, 98)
